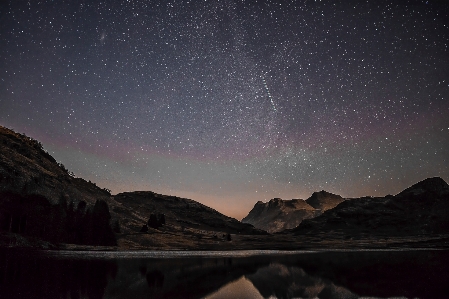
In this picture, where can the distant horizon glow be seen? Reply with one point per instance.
(229, 102)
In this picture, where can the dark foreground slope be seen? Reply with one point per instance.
(27, 169)
(181, 212)
(40, 199)
(421, 210)
(278, 215)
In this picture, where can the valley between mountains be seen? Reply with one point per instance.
(43, 205)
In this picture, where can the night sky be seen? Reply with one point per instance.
(231, 102)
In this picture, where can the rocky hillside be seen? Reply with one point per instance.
(135, 209)
(26, 168)
(40, 198)
(278, 215)
(421, 209)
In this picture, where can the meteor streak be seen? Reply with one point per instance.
(269, 94)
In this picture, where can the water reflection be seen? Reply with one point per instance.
(242, 288)
(280, 281)
(410, 274)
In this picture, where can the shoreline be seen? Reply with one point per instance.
(278, 242)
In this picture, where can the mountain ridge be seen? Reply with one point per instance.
(412, 211)
(43, 205)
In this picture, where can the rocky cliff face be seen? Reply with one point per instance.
(277, 214)
(421, 209)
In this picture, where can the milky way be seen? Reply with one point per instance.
(230, 102)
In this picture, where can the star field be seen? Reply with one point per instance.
(230, 102)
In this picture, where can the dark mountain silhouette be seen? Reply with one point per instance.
(435, 185)
(278, 215)
(422, 209)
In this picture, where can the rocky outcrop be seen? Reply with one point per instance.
(277, 214)
(324, 200)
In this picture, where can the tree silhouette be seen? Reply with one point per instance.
(161, 219)
(35, 216)
(116, 226)
(156, 221)
(102, 231)
(152, 222)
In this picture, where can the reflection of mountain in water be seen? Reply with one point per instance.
(281, 282)
(370, 274)
(241, 288)
(187, 278)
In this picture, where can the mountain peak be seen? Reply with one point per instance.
(324, 193)
(275, 202)
(435, 184)
(324, 200)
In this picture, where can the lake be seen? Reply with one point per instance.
(234, 274)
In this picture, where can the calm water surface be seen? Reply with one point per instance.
(237, 274)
